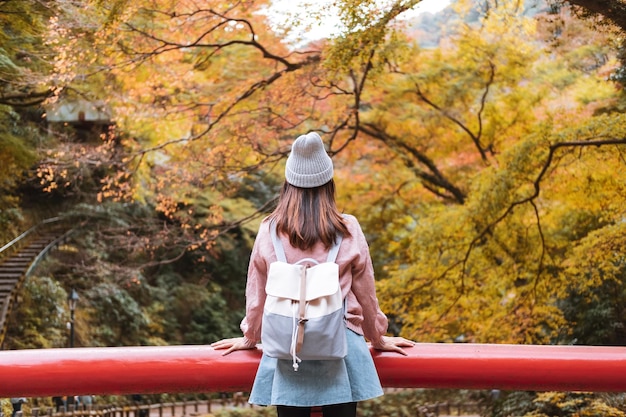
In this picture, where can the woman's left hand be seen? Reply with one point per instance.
(393, 344)
(233, 344)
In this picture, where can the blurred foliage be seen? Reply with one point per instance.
(24, 68)
(247, 412)
(40, 321)
(138, 281)
(557, 404)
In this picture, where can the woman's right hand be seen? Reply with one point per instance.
(233, 344)
(393, 344)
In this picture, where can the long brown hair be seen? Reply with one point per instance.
(309, 215)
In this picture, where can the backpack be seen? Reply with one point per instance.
(304, 311)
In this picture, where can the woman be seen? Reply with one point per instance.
(308, 222)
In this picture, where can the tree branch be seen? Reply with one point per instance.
(474, 137)
(537, 187)
(614, 10)
(25, 99)
(432, 179)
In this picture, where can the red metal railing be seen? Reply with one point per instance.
(199, 369)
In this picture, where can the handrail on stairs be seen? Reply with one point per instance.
(29, 231)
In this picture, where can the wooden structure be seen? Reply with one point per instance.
(90, 119)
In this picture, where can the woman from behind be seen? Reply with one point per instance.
(308, 223)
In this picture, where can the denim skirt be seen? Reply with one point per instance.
(318, 383)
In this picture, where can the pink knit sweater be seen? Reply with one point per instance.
(356, 277)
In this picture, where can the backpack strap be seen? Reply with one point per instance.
(334, 250)
(278, 245)
(280, 250)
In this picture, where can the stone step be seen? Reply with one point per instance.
(25, 254)
(24, 264)
(4, 295)
(16, 259)
(18, 269)
(10, 275)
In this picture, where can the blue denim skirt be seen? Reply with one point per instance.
(318, 383)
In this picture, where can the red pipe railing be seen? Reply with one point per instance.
(198, 369)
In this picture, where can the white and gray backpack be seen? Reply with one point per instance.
(304, 312)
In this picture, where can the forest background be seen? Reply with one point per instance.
(482, 149)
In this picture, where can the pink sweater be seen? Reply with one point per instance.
(356, 277)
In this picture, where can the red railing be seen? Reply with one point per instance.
(200, 369)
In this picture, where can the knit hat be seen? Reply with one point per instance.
(308, 165)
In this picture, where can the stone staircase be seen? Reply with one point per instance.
(19, 257)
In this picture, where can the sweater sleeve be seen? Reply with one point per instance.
(364, 289)
(255, 291)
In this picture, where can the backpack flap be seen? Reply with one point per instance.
(322, 280)
(283, 280)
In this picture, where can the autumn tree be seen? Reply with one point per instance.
(24, 66)
(490, 263)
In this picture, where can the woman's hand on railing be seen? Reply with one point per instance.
(233, 344)
(393, 344)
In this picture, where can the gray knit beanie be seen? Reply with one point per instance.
(308, 165)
